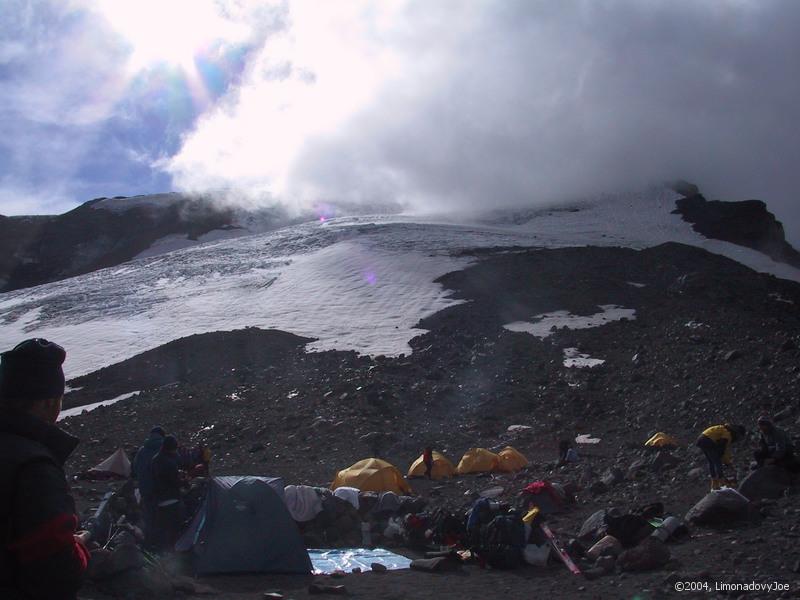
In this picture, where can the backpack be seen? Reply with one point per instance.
(503, 541)
(447, 529)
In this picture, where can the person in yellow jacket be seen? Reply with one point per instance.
(715, 442)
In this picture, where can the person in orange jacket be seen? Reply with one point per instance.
(715, 442)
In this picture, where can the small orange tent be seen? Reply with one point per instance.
(372, 475)
(478, 460)
(511, 460)
(441, 467)
(662, 440)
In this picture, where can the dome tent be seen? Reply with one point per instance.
(243, 526)
(478, 460)
(442, 467)
(511, 460)
(372, 475)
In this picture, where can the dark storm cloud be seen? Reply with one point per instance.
(533, 102)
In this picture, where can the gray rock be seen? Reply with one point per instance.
(697, 473)
(608, 546)
(598, 487)
(767, 482)
(591, 528)
(648, 555)
(663, 460)
(613, 476)
(719, 509)
(732, 355)
(636, 468)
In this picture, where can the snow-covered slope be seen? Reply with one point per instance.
(352, 283)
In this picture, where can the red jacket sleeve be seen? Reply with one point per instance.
(50, 563)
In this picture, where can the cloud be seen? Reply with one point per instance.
(443, 106)
(86, 112)
(453, 105)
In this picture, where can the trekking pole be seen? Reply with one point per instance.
(562, 554)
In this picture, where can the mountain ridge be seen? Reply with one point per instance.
(106, 232)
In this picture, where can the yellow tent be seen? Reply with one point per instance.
(478, 460)
(372, 475)
(662, 440)
(441, 467)
(511, 460)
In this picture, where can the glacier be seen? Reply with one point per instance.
(351, 283)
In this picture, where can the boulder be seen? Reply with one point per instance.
(608, 546)
(591, 528)
(636, 468)
(650, 554)
(663, 460)
(613, 476)
(719, 508)
(598, 487)
(607, 563)
(767, 482)
(697, 473)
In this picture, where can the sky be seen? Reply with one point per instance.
(442, 105)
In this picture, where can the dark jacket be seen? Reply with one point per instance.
(39, 557)
(142, 463)
(776, 443)
(166, 480)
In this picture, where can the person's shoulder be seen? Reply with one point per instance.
(17, 450)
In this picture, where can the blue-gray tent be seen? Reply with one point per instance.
(243, 526)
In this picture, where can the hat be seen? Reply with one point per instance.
(157, 430)
(764, 420)
(32, 371)
(737, 431)
(170, 443)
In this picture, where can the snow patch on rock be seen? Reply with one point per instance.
(547, 324)
(574, 359)
(79, 410)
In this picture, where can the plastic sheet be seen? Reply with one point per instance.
(347, 559)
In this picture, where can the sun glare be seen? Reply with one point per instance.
(171, 32)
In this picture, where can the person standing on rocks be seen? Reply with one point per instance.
(41, 553)
(775, 447)
(168, 517)
(144, 475)
(427, 460)
(715, 442)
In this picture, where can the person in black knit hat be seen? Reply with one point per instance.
(41, 553)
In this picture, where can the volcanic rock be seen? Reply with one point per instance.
(767, 482)
(718, 509)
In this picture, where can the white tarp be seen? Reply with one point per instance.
(347, 559)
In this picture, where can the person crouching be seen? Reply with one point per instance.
(775, 447)
(715, 442)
